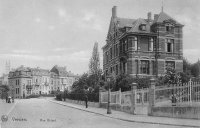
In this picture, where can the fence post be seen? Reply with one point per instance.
(99, 96)
(142, 94)
(133, 99)
(151, 95)
(120, 96)
(190, 85)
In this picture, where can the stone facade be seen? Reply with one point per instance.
(143, 47)
(25, 81)
(63, 78)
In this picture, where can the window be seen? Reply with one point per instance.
(125, 46)
(143, 27)
(117, 51)
(170, 64)
(124, 67)
(169, 45)
(144, 67)
(135, 43)
(116, 69)
(107, 57)
(169, 28)
(151, 44)
(106, 72)
(110, 53)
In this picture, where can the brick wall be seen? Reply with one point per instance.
(161, 67)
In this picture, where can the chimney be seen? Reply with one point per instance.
(114, 11)
(155, 16)
(149, 16)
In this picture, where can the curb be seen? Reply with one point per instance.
(124, 119)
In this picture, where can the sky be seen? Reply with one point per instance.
(44, 33)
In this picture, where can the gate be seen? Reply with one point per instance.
(136, 98)
(142, 101)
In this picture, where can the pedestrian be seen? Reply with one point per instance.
(13, 99)
(9, 99)
(86, 101)
(173, 99)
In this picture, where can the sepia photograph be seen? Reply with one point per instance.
(99, 64)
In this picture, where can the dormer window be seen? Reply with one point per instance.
(169, 28)
(143, 27)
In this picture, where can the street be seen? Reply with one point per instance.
(40, 113)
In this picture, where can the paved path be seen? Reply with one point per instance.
(41, 113)
(6, 108)
(134, 118)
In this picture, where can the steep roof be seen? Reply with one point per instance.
(39, 71)
(137, 23)
(125, 22)
(163, 17)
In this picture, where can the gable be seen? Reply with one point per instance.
(165, 18)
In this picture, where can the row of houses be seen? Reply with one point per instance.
(25, 81)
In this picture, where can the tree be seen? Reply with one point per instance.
(94, 65)
(4, 90)
(195, 69)
(186, 66)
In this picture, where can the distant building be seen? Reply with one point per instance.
(40, 81)
(143, 46)
(7, 67)
(20, 82)
(25, 81)
(61, 79)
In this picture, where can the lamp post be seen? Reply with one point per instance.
(108, 107)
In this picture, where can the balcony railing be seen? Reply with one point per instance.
(29, 87)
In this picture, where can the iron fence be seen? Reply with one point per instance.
(178, 94)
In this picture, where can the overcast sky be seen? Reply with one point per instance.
(44, 33)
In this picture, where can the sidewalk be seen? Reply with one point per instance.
(133, 118)
(6, 108)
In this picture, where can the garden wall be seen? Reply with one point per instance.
(176, 112)
(90, 104)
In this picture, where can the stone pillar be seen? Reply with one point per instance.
(133, 98)
(139, 63)
(99, 96)
(120, 96)
(151, 95)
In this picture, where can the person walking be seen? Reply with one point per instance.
(13, 99)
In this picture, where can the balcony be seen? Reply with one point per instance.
(29, 87)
